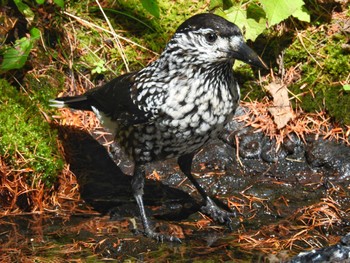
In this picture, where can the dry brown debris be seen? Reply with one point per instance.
(18, 197)
(259, 117)
(303, 229)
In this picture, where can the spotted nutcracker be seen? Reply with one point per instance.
(175, 105)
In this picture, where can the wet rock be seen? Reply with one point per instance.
(336, 253)
(331, 155)
(255, 145)
(254, 167)
(175, 179)
(254, 148)
(212, 163)
(270, 153)
(293, 145)
(222, 155)
(228, 134)
(320, 152)
(250, 143)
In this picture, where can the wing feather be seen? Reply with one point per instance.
(114, 99)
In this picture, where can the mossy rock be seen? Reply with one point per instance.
(27, 141)
(322, 75)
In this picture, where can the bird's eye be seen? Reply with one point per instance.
(211, 37)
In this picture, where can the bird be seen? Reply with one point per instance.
(172, 107)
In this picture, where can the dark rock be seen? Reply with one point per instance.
(336, 253)
(331, 155)
(270, 153)
(222, 155)
(234, 126)
(250, 144)
(254, 166)
(293, 145)
(319, 152)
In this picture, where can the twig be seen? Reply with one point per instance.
(116, 37)
(91, 25)
(302, 43)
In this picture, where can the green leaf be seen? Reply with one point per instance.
(99, 67)
(151, 6)
(253, 25)
(346, 87)
(35, 33)
(279, 10)
(60, 3)
(216, 4)
(256, 12)
(25, 10)
(16, 56)
(302, 14)
(40, 2)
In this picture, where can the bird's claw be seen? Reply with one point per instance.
(218, 214)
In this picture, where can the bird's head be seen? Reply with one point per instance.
(208, 38)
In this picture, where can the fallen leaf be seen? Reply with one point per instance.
(281, 110)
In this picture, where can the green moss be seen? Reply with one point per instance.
(338, 104)
(26, 140)
(247, 82)
(324, 65)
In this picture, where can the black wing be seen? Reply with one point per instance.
(114, 99)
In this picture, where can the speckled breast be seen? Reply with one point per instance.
(167, 137)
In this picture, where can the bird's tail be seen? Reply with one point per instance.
(76, 102)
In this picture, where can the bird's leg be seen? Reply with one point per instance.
(211, 209)
(137, 183)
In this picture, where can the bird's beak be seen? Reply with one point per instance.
(244, 53)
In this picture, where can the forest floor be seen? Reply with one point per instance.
(63, 198)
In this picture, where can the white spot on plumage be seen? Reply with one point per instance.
(175, 123)
(137, 150)
(203, 107)
(203, 128)
(57, 104)
(221, 119)
(106, 122)
(194, 120)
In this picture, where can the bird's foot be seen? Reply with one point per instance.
(158, 236)
(218, 214)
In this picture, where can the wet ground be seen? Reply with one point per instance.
(288, 200)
